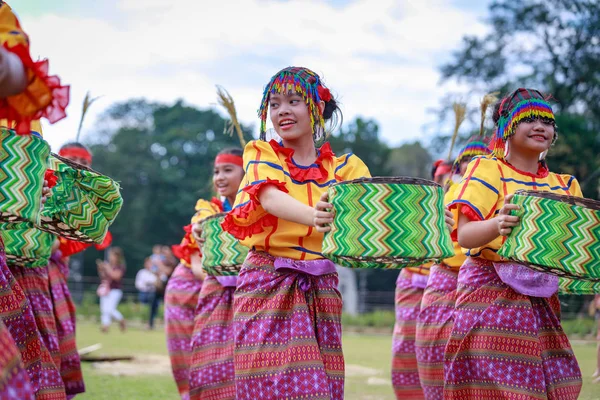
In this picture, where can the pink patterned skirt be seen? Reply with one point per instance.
(434, 326)
(64, 315)
(14, 381)
(181, 298)
(288, 333)
(211, 371)
(405, 375)
(505, 345)
(17, 313)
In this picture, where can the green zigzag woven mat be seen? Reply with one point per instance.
(387, 223)
(83, 204)
(222, 254)
(25, 245)
(557, 234)
(23, 160)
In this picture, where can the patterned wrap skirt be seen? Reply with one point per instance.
(405, 375)
(64, 315)
(505, 345)
(181, 298)
(288, 333)
(434, 326)
(211, 372)
(14, 381)
(17, 313)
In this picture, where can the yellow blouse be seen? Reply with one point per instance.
(44, 96)
(459, 257)
(188, 245)
(269, 163)
(488, 180)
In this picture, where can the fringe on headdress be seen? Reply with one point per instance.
(295, 80)
(522, 104)
(477, 146)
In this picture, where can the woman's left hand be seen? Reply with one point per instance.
(321, 217)
(449, 218)
(46, 192)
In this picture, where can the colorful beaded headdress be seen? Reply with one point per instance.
(477, 146)
(308, 85)
(521, 105)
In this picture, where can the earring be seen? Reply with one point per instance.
(271, 134)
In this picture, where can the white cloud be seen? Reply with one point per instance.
(380, 56)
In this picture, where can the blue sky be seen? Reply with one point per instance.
(381, 57)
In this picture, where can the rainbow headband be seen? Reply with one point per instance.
(472, 149)
(296, 80)
(507, 124)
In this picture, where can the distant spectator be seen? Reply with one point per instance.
(165, 263)
(111, 288)
(145, 282)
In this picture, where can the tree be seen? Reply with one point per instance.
(553, 46)
(361, 137)
(162, 156)
(410, 159)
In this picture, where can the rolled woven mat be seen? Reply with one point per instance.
(83, 204)
(25, 245)
(23, 160)
(387, 222)
(557, 234)
(222, 254)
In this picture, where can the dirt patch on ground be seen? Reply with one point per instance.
(148, 364)
(155, 364)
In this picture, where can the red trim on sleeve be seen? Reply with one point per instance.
(50, 104)
(242, 212)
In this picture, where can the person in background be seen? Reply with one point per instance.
(111, 289)
(145, 282)
(164, 264)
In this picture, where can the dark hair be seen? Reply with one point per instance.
(75, 144)
(333, 114)
(234, 151)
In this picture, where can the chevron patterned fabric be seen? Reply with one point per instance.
(25, 245)
(22, 166)
(387, 223)
(222, 254)
(572, 286)
(83, 204)
(557, 234)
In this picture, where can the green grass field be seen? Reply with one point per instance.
(367, 366)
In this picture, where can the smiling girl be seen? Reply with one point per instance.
(211, 371)
(505, 344)
(188, 290)
(287, 309)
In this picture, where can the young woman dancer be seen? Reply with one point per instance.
(27, 93)
(434, 322)
(211, 371)
(287, 309)
(505, 344)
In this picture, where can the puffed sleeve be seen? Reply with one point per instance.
(205, 208)
(349, 167)
(44, 96)
(477, 195)
(263, 167)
